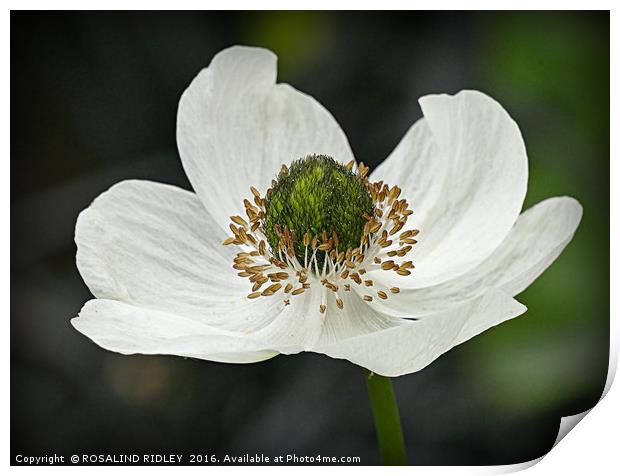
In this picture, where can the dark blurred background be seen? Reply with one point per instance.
(93, 101)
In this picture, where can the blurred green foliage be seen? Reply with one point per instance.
(297, 36)
(553, 75)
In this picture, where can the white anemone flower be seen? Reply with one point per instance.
(223, 274)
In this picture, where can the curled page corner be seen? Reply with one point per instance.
(567, 423)
(510, 468)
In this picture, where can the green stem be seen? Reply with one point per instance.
(387, 419)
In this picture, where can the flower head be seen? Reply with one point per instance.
(316, 196)
(321, 223)
(289, 245)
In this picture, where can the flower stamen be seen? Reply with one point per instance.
(302, 259)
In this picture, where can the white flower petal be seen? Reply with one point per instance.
(354, 319)
(236, 127)
(417, 168)
(413, 345)
(155, 246)
(471, 177)
(537, 239)
(297, 327)
(128, 329)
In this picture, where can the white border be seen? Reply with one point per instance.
(592, 448)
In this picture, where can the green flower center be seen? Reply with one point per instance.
(316, 198)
